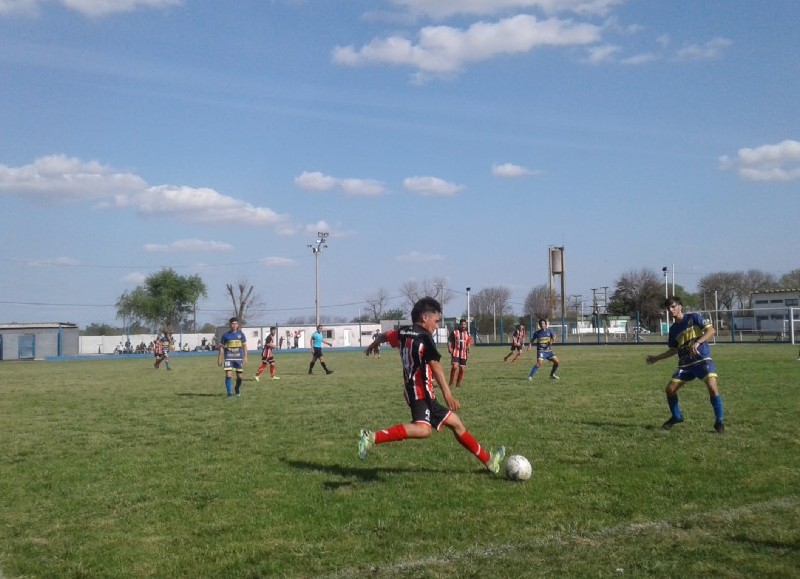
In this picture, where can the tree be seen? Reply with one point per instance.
(413, 290)
(243, 298)
(720, 289)
(375, 306)
(638, 292)
(395, 314)
(790, 280)
(537, 303)
(164, 301)
(490, 305)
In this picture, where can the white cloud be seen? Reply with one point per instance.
(510, 171)
(316, 181)
(58, 178)
(780, 162)
(135, 278)
(62, 179)
(89, 8)
(58, 261)
(277, 262)
(642, 58)
(446, 8)
(431, 186)
(446, 50)
(185, 245)
(600, 54)
(417, 257)
(711, 50)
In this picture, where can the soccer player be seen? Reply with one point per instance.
(233, 354)
(688, 338)
(544, 338)
(161, 350)
(317, 339)
(267, 356)
(458, 344)
(421, 368)
(517, 339)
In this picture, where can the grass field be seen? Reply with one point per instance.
(109, 468)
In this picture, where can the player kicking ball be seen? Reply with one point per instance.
(421, 368)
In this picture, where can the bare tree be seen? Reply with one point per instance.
(413, 290)
(537, 303)
(376, 305)
(244, 299)
(722, 286)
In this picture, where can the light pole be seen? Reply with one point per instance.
(316, 250)
(665, 269)
(469, 322)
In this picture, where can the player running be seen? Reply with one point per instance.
(517, 339)
(688, 338)
(161, 350)
(458, 344)
(544, 338)
(421, 368)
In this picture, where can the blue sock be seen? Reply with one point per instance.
(228, 384)
(533, 371)
(674, 408)
(716, 404)
(167, 363)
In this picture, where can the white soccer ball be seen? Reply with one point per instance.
(518, 468)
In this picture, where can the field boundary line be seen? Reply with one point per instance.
(631, 529)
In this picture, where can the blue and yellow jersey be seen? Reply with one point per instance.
(543, 339)
(233, 345)
(165, 344)
(684, 333)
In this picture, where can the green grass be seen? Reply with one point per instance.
(111, 469)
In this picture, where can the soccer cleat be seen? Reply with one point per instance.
(530, 377)
(256, 378)
(719, 427)
(276, 377)
(496, 459)
(365, 443)
(671, 422)
(329, 371)
(554, 377)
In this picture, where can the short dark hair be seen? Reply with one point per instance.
(233, 319)
(672, 300)
(542, 320)
(426, 305)
(462, 321)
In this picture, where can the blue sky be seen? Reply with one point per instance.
(430, 138)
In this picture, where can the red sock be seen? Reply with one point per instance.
(468, 441)
(260, 369)
(460, 376)
(393, 434)
(272, 371)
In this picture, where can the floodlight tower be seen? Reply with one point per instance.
(316, 250)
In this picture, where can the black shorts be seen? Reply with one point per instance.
(458, 361)
(317, 353)
(429, 412)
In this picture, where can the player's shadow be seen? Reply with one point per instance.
(202, 394)
(598, 424)
(354, 475)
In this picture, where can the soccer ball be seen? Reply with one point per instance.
(518, 468)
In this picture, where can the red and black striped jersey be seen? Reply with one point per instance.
(417, 351)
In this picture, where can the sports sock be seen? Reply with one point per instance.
(460, 376)
(716, 404)
(534, 370)
(452, 374)
(261, 369)
(238, 383)
(272, 371)
(393, 434)
(672, 401)
(553, 371)
(468, 441)
(228, 384)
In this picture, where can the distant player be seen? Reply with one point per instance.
(517, 339)
(688, 338)
(458, 344)
(161, 349)
(233, 355)
(543, 338)
(421, 368)
(267, 356)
